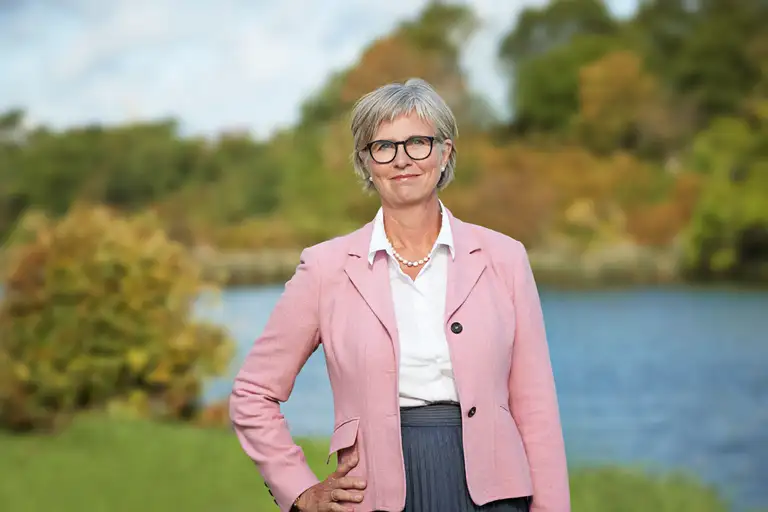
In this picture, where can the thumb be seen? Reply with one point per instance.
(346, 465)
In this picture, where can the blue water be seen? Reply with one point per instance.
(667, 379)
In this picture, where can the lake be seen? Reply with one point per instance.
(663, 378)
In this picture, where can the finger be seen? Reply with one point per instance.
(332, 506)
(349, 482)
(340, 495)
(346, 465)
(338, 507)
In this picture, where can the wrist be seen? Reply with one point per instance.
(298, 503)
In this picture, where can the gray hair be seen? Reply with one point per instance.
(393, 100)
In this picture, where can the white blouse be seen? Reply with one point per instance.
(426, 373)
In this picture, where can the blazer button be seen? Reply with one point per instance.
(472, 412)
(456, 328)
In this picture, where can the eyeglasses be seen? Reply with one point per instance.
(417, 147)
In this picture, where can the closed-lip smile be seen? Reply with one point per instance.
(404, 176)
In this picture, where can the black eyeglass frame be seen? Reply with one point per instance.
(431, 139)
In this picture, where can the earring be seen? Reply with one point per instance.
(442, 169)
(370, 178)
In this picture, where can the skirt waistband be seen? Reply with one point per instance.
(433, 415)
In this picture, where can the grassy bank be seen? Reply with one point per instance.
(129, 466)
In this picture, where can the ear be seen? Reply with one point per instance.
(446, 152)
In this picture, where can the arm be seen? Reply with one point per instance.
(533, 398)
(267, 377)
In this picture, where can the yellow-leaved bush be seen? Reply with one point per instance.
(97, 312)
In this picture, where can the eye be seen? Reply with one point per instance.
(419, 141)
(382, 145)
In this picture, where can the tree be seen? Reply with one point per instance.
(728, 235)
(12, 199)
(622, 106)
(546, 92)
(542, 29)
(701, 49)
(541, 56)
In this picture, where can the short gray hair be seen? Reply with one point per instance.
(396, 99)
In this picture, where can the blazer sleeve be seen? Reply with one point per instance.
(532, 395)
(267, 377)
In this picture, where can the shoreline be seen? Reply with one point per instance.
(612, 267)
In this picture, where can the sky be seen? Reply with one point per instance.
(212, 64)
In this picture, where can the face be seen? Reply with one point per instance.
(412, 175)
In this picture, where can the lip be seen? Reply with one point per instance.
(401, 177)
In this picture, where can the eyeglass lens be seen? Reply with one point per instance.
(418, 148)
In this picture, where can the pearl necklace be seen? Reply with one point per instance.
(408, 262)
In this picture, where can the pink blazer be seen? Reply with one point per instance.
(513, 444)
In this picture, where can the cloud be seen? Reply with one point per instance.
(212, 64)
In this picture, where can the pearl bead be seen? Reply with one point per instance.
(406, 262)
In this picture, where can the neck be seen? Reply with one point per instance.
(413, 227)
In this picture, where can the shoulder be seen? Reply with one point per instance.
(506, 255)
(331, 254)
(497, 243)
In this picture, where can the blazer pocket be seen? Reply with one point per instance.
(510, 446)
(344, 436)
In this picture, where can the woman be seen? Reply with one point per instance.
(433, 334)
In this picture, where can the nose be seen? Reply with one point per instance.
(402, 160)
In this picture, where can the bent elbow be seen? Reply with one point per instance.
(235, 397)
(250, 405)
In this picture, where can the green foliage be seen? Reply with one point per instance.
(729, 230)
(134, 167)
(541, 29)
(701, 52)
(436, 37)
(546, 92)
(324, 105)
(542, 55)
(97, 312)
(442, 29)
(702, 49)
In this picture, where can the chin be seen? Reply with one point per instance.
(411, 197)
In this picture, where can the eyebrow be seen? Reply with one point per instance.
(408, 137)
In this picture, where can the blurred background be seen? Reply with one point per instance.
(163, 163)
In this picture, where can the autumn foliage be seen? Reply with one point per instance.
(643, 132)
(97, 313)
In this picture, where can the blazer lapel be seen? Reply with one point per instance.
(465, 269)
(372, 282)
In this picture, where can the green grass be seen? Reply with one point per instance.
(106, 465)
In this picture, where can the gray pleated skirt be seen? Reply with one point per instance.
(434, 463)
